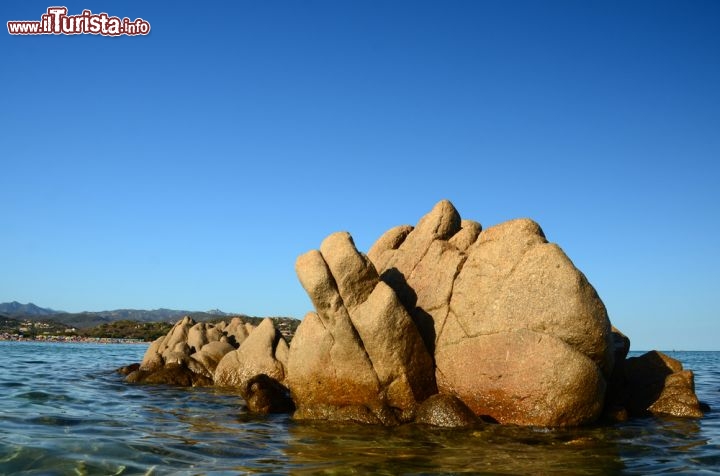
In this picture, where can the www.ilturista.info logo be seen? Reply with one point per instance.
(57, 22)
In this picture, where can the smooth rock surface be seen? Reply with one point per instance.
(445, 411)
(522, 377)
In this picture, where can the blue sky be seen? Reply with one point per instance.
(190, 167)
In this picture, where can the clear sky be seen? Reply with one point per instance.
(189, 168)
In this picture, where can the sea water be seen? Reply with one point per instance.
(63, 410)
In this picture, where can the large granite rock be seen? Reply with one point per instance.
(189, 353)
(441, 323)
(518, 333)
(360, 356)
(522, 377)
(257, 370)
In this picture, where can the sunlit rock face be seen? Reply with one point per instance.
(360, 356)
(442, 323)
(512, 328)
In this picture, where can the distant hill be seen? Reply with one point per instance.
(17, 309)
(127, 323)
(85, 320)
(17, 326)
(8, 323)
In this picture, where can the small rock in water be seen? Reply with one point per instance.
(128, 369)
(446, 411)
(658, 384)
(264, 394)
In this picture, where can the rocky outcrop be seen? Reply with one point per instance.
(651, 384)
(443, 323)
(359, 357)
(518, 333)
(257, 369)
(189, 353)
(655, 383)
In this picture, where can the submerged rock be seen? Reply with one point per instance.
(171, 374)
(445, 411)
(128, 369)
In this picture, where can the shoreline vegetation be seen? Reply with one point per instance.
(30, 328)
(69, 339)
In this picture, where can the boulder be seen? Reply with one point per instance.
(210, 355)
(257, 370)
(443, 323)
(522, 377)
(128, 369)
(189, 353)
(236, 330)
(514, 279)
(655, 383)
(171, 374)
(360, 356)
(445, 411)
(486, 301)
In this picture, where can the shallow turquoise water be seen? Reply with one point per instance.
(64, 411)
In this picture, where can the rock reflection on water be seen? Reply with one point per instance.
(343, 448)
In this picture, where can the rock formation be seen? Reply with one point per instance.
(189, 353)
(443, 323)
(257, 370)
(517, 332)
(514, 330)
(359, 356)
(655, 383)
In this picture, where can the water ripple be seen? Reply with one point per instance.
(63, 411)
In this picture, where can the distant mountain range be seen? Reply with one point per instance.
(30, 311)
(17, 309)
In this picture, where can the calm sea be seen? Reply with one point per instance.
(64, 411)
